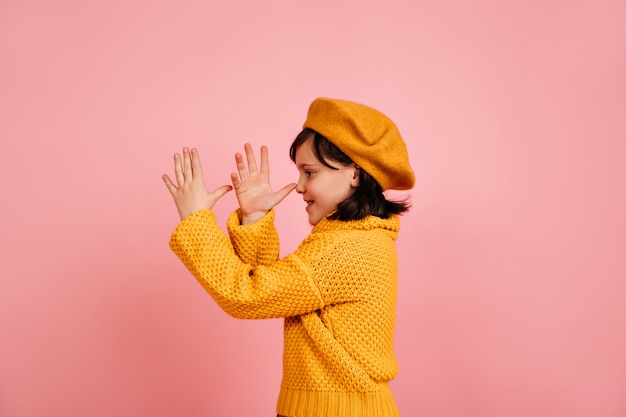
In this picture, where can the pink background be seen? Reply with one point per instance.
(513, 261)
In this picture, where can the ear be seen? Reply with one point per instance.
(354, 182)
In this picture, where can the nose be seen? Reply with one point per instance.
(300, 185)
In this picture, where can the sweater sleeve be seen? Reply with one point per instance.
(283, 289)
(257, 243)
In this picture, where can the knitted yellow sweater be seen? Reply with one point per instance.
(337, 293)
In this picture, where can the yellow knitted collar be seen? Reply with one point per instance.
(368, 223)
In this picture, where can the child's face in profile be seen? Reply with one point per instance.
(323, 188)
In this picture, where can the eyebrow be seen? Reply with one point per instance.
(305, 165)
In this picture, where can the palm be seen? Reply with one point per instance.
(252, 186)
(189, 192)
(255, 194)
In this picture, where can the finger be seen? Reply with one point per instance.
(235, 180)
(241, 167)
(169, 184)
(284, 192)
(196, 166)
(252, 169)
(187, 171)
(178, 170)
(265, 161)
(219, 193)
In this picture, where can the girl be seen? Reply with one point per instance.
(337, 291)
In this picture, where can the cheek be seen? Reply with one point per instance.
(348, 193)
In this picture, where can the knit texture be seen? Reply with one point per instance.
(367, 136)
(337, 293)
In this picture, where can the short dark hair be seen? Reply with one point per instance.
(367, 199)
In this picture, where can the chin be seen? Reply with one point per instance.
(314, 220)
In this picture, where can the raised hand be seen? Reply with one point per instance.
(252, 186)
(190, 193)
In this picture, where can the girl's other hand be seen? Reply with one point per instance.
(190, 193)
(252, 186)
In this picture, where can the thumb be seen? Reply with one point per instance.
(284, 192)
(219, 193)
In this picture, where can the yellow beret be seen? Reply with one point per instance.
(367, 136)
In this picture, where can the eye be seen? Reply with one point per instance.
(308, 173)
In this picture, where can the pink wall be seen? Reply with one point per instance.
(512, 259)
